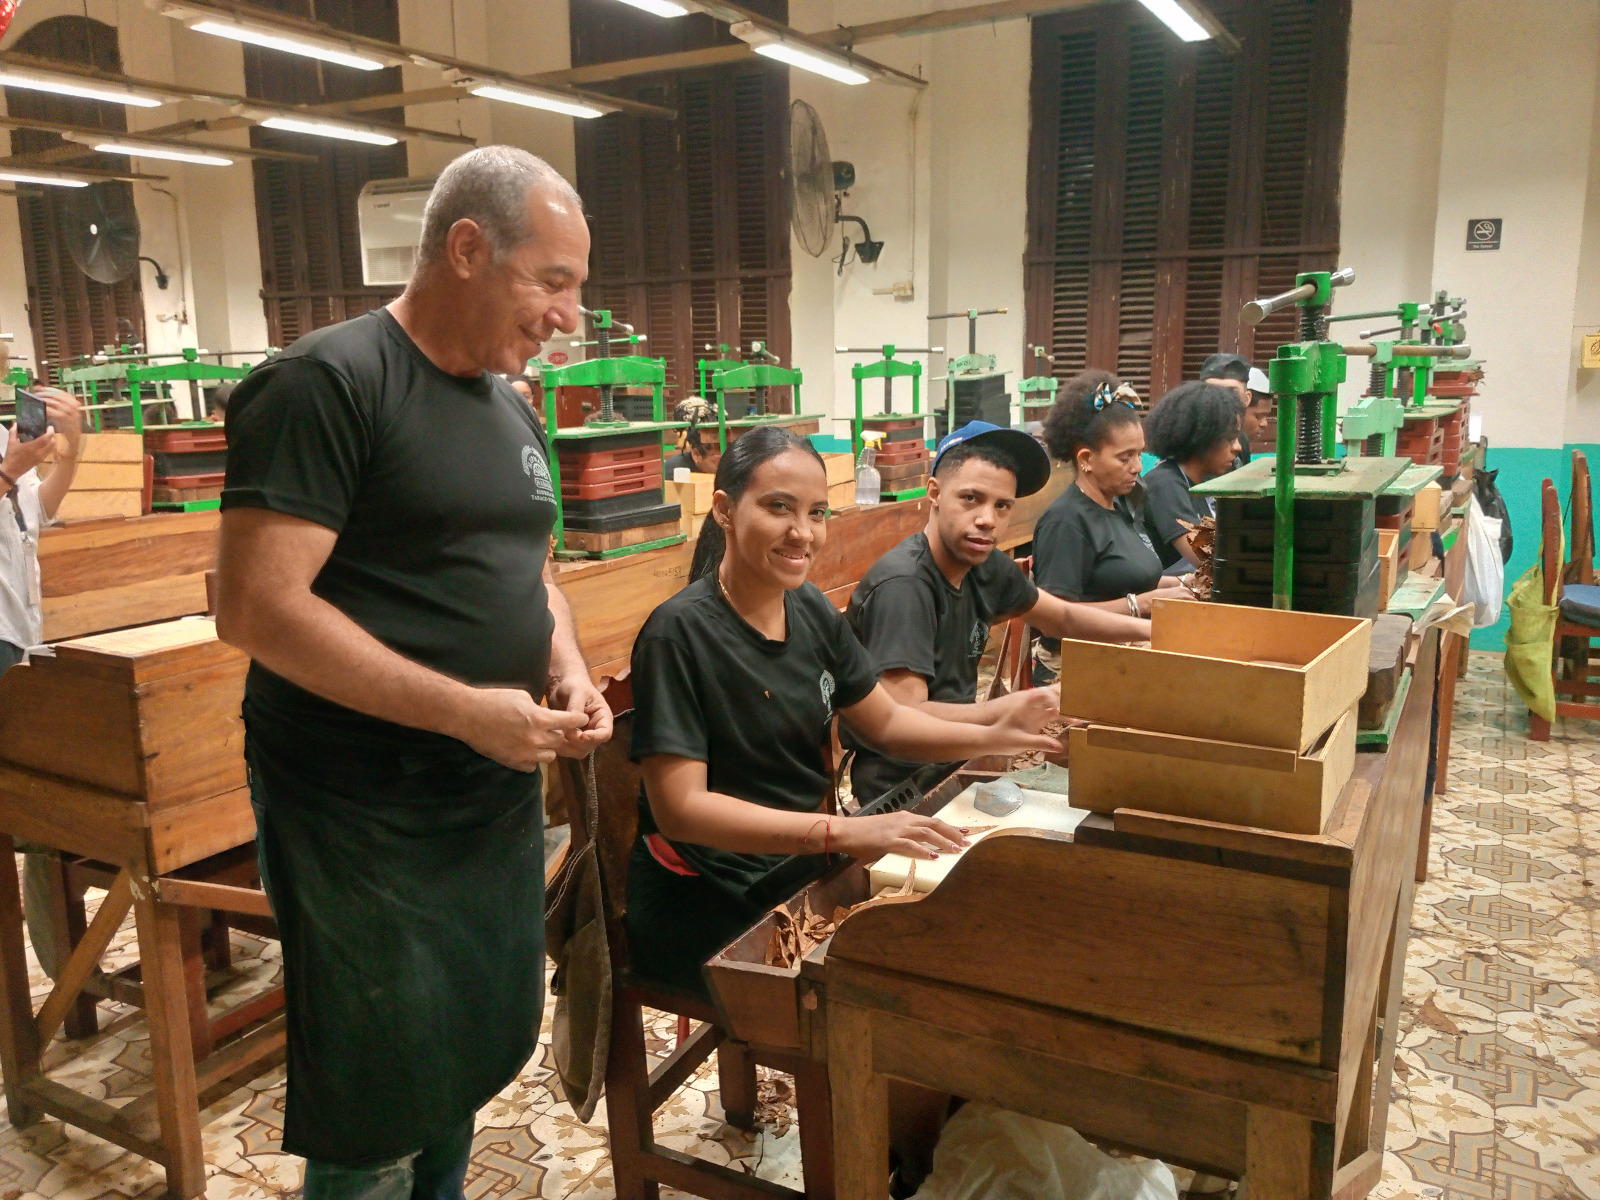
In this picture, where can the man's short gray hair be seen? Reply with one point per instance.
(490, 186)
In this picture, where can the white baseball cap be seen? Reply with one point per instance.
(1258, 381)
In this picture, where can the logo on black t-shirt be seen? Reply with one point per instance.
(980, 638)
(827, 691)
(533, 467)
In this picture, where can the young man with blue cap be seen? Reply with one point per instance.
(924, 609)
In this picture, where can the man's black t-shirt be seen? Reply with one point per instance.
(1168, 505)
(708, 686)
(909, 617)
(439, 489)
(1083, 551)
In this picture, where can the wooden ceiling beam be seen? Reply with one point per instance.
(150, 136)
(946, 19)
(682, 60)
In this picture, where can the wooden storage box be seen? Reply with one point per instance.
(1388, 564)
(151, 713)
(1203, 780)
(1257, 676)
(842, 495)
(693, 498)
(1425, 513)
(1421, 549)
(841, 468)
(110, 478)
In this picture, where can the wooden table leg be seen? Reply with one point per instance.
(1453, 653)
(815, 1110)
(19, 1037)
(736, 1081)
(83, 1018)
(161, 953)
(194, 976)
(860, 1107)
(1287, 1157)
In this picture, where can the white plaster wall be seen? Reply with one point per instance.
(1389, 182)
(1583, 401)
(1519, 110)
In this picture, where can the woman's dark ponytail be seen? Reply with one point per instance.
(738, 466)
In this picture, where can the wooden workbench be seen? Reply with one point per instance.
(1221, 997)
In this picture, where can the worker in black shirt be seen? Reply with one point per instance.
(386, 517)
(736, 681)
(1194, 429)
(1090, 545)
(699, 450)
(1250, 388)
(924, 609)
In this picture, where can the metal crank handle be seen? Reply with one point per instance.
(1434, 351)
(1257, 311)
(879, 350)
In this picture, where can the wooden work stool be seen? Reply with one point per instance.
(1578, 618)
(633, 1090)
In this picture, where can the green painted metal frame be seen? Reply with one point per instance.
(888, 368)
(755, 377)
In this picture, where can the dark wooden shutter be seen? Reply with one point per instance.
(306, 212)
(70, 314)
(1169, 183)
(689, 218)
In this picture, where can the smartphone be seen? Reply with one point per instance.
(33, 419)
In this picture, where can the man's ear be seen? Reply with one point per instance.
(933, 489)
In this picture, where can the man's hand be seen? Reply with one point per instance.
(66, 417)
(511, 727)
(22, 457)
(578, 694)
(1030, 709)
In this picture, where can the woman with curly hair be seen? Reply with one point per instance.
(1090, 545)
(1195, 430)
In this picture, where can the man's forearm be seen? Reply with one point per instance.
(1105, 621)
(981, 712)
(566, 657)
(312, 644)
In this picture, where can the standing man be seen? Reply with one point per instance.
(383, 561)
(1249, 385)
(924, 609)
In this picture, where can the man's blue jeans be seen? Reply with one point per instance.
(436, 1172)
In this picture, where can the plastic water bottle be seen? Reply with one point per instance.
(869, 484)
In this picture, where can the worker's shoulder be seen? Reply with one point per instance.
(1066, 509)
(908, 559)
(351, 353)
(682, 615)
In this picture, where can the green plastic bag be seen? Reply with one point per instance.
(1530, 641)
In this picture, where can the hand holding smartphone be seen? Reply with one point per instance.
(33, 419)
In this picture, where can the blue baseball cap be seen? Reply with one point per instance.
(1023, 449)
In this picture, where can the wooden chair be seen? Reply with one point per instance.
(634, 1091)
(1579, 619)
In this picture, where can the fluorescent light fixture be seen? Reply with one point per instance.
(296, 44)
(659, 8)
(1178, 19)
(19, 175)
(349, 133)
(530, 98)
(174, 153)
(71, 85)
(772, 45)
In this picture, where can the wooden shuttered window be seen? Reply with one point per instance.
(70, 315)
(306, 212)
(690, 218)
(1170, 183)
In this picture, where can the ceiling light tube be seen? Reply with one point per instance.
(1176, 18)
(72, 85)
(529, 97)
(348, 133)
(19, 175)
(308, 47)
(659, 8)
(772, 45)
(150, 150)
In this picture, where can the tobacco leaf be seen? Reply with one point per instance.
(1434, 1017)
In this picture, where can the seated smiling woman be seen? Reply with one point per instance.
(736, 680)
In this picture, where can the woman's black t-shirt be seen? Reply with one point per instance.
(708, 686)
(1170, 511)
(1083, 551)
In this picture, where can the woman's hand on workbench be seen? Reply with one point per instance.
(511, 727)
(867, 838)
(1030, 709)
(1017, 729)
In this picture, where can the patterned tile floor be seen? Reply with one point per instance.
(1497, 1095)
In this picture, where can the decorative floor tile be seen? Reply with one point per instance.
(1497, 1077)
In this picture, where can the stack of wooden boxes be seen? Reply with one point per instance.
(188, 463)
(109, 481)
(1246, 716)
(1336, 567)
(612, 492)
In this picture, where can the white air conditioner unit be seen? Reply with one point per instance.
(389, 212)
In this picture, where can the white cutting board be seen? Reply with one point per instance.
(1040, 810)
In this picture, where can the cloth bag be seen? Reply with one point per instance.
(1485, 580)
(988, 1153)
(1530, 641)
(575, 938)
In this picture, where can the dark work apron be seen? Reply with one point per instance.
(409, 893)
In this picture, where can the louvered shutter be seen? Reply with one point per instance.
(306, 216)
(70, 314)
(1170, 183)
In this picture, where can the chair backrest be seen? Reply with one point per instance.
(1550, 546)
(1580, 545)
(617, 782)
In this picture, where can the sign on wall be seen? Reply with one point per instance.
(8, 9)
(1591, 350)
(1483, 233)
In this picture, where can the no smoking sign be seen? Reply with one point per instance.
(1483, 233)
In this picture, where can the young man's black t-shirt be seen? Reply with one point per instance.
(1168, 505)
(909, 617)
(439, 490)
(1086, 552)
(708, 686)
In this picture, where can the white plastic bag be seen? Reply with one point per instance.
(1485, 582)
(988, 1153)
